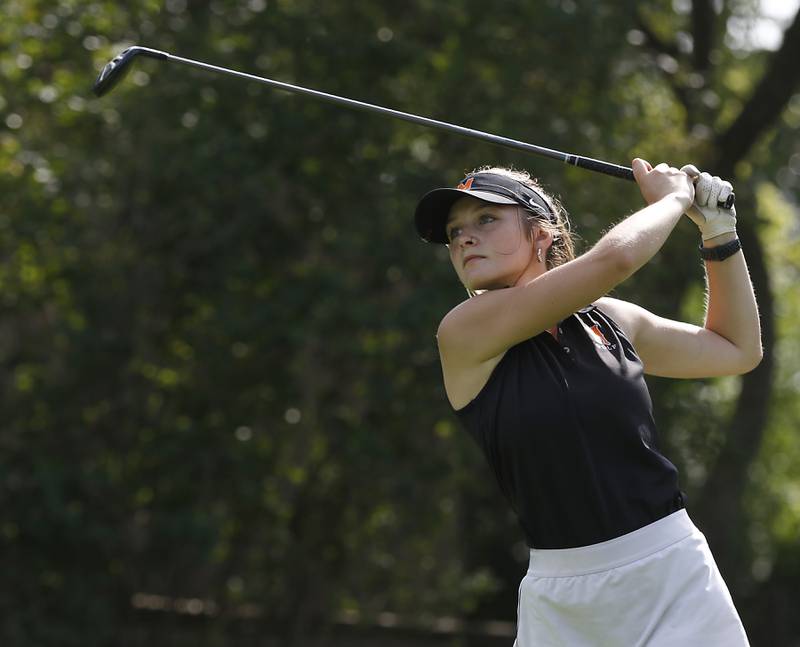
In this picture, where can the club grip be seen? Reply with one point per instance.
(599, 166)
(623, 172)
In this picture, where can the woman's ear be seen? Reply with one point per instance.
(542, 237)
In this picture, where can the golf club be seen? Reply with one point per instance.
(115, 70)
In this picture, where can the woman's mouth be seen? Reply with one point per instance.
(471, 257)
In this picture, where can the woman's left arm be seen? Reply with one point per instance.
(729, 343)
(731, 309)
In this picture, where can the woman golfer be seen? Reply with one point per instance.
(546, 374)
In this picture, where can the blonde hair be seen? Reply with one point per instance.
(557, 222)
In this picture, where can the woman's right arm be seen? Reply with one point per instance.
(485, 326)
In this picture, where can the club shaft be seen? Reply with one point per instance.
(575, 160)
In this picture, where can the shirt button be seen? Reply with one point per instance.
(566, 349)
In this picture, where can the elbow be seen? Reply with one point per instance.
(626, 263)
(612, 260)
(621, 262)
(753, 360)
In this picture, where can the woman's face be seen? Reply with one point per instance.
(488, 246)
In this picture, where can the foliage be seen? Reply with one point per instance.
(219, 371)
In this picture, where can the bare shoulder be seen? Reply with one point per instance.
(627, 315)
(464, 376)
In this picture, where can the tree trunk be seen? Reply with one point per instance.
(720, 506)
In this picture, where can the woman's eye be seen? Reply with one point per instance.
(487, 218)
(452, 233)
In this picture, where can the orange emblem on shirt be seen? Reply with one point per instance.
(600, 336)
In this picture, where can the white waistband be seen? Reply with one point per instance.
(564, 562)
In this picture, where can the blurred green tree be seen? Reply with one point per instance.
(217, 347)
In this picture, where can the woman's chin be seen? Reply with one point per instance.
(483, 286)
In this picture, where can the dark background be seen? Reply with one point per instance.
(221, 416)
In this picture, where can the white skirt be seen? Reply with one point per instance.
(656, 587)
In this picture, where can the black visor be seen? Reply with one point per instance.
(432, 211)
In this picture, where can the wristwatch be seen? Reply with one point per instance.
(721, 252)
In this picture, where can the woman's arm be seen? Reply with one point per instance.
(482, 328)
(731, 309)
(729, 343)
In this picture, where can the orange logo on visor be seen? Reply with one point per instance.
(467, 184)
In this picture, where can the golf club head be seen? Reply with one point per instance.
(118, 67)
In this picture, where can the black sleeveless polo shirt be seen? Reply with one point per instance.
(567, 427)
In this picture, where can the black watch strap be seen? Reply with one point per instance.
(721, 252)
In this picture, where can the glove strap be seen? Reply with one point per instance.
(721, 252)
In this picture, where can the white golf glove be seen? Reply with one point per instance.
(706, 212)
